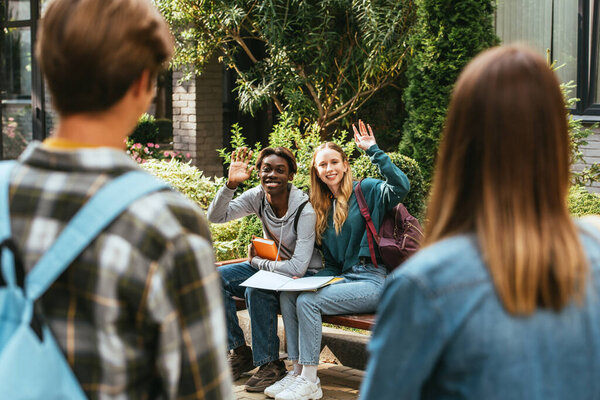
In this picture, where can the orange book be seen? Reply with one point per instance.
(265, 248)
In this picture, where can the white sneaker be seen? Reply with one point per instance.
(301, 389)
(281, 384)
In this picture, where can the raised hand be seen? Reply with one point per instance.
(239, 170)
(364, 138)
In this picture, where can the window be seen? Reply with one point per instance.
(566, 31)
(588, 78)
(22, 105)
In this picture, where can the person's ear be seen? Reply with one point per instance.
(291, 177)
(143, 84)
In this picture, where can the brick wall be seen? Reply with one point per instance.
(198, 118)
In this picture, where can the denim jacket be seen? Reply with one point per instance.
(442, 333)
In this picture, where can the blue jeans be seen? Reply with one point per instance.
(263, 306)
(358, 293)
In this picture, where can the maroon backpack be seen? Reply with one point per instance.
(399, 236)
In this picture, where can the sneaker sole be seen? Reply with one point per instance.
(255, 389)
(316, 395)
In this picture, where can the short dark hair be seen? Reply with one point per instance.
(91, 51)
(282, 152)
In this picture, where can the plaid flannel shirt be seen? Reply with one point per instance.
(139, 313)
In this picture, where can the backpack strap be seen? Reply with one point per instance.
(8, 273)
(261, 206)
(371, 231)
(108, 203)
(297, 216)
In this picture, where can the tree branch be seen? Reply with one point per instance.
(238, 39)
(341, 78)
(352, 109)
(275, 99)
(312, 90)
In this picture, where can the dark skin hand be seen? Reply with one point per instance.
(239, 170)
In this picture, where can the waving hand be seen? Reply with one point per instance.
(364, 138)
(239, 170)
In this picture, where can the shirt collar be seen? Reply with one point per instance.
(99, 159)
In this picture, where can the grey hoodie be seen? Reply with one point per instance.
(297, 248)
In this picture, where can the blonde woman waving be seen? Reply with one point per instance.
(341, 233)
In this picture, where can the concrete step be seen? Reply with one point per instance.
(338, 346)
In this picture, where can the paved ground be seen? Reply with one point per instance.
(338, 383)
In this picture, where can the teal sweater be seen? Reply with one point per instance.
(341, 252)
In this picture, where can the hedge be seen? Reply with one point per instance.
(416, 198)
(581, 202)
(449, 33)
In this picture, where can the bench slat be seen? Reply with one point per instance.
(357, 321)
(228, 262)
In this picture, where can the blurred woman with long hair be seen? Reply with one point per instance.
(502, 303)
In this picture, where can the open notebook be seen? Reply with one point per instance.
(281, 283)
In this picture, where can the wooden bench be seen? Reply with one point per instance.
(358, 321)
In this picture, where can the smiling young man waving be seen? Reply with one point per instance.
(276, 201)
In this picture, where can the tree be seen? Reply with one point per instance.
(319, 60)
(449, 33)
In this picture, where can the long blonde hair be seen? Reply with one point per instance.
(321, 196)
(503, 173)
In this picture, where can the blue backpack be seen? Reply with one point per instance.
(32, 365)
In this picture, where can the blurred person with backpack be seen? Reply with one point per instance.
(138, 312)
(502, 303)
(341, 232)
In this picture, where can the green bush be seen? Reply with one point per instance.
(232, 238)
(448, 34)
(415, 200)
(146, 130)
(578, 134)
(186, 178)
(581, 202)
(141, 153)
